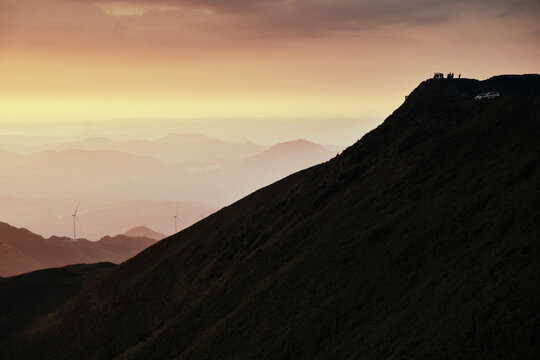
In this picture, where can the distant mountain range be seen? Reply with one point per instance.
(22, 251)
(119, 190)
(112, 174)
(172, 148)
(421, 240)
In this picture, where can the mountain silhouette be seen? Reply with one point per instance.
(284, 159)
(293, 154)
(105, 176)
(419, 241)
(23, 251)
(144, 231)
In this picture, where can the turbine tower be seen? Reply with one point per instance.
(176, 220)
(75, 219)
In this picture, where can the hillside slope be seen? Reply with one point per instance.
(28, 296)
(22, 251)
(419, 241)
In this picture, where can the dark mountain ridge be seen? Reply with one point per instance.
(419, 241)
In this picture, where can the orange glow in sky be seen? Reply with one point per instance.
(80, 60)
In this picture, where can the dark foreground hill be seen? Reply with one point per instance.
(28, 296)
(419, 241)
(23, 251)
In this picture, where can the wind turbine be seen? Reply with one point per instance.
(176, 220)
(75, 218)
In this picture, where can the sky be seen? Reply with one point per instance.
(93, 60)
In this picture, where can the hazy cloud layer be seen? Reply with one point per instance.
(259, 17)
(341, 13)
(249, 57)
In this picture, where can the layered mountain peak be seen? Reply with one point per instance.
(144, 231)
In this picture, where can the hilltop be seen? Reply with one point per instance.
(419, 241)
(292, 154)
(144, 231)
(283, 159)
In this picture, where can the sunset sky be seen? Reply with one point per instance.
(78, 60)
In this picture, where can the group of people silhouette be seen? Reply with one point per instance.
(451, 76)
(448, 76)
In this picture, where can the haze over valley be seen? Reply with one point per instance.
(124, 183)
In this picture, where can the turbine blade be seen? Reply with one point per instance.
(77, 208)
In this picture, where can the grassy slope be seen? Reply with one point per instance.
(24, 298)
(421, 240)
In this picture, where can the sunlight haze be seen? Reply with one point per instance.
(91, 60)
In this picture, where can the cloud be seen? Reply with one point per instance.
(318, 17)
(339, 11)
(344, 10)
(210, 22)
